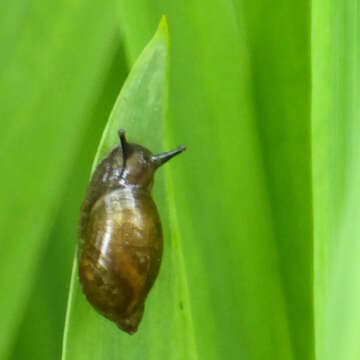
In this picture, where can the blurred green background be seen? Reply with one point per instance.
(261, 213)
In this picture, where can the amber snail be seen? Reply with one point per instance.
(120, 235)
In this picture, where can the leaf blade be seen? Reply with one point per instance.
(47, 96)
(336, 172)
(140, 109)
(227, 228)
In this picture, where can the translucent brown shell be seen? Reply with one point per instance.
(120, 236)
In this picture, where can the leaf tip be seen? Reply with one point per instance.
(163, 29)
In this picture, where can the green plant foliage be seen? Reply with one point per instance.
(336, 177)
(47, 90)
(260, 213)
(247, 204)
(141, 107)
(48, 298)
(210, 240)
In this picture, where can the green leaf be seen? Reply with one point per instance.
(240, 99)
(260, 214)
(279, 43)
(336, 177)
(47, 90)
(140, 109)
(48, 299)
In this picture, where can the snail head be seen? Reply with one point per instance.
(140, 164)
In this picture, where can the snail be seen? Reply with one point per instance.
(120, 234)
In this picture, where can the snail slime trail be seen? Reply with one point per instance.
(120, 235)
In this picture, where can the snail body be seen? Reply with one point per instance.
(120, 234)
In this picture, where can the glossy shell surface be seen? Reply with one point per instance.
(120, 236)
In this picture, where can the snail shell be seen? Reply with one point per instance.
(120, 235)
